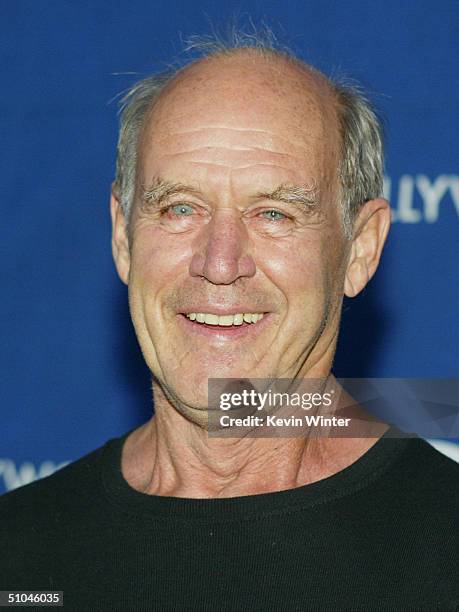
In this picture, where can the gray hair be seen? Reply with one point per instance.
(361, 158)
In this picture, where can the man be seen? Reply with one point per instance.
(246, 205)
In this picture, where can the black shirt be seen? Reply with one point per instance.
(379, 535)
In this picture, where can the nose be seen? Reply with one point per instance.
(221, 250)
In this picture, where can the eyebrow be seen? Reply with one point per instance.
(160, 190)
(306, 197)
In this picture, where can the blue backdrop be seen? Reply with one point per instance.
(72, 374)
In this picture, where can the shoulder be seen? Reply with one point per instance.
(423, 459)
(43, 523)
(45, 501)
(425, 481)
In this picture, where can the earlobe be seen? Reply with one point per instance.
(371, 229)
(120, 242)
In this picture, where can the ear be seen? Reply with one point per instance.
(370, 232)
(120, 242)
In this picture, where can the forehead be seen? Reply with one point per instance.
(241, 111)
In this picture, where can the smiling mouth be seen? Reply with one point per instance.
(230, 320)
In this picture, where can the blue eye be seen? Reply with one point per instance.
(181, 210)
(274, 215)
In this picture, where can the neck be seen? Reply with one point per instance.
(172, 456)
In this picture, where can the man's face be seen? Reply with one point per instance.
(238, 168)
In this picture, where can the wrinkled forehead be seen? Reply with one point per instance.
(248, 101)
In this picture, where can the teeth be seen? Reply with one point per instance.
(224, 320)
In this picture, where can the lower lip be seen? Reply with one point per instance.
(220, 332)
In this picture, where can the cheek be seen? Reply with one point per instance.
(298, 269)
(156, 259)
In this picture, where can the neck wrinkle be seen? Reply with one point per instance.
(171, 456)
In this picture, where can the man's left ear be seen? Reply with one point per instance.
(370, 232)
(120, 242)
